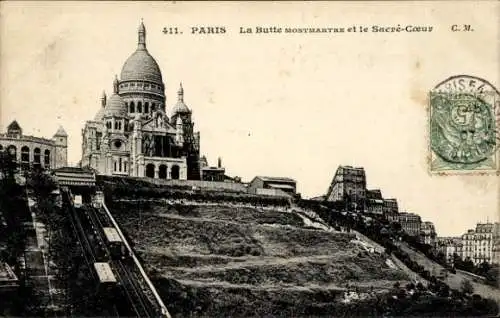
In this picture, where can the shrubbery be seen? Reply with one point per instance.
(385, 238)
(13, 237)
(174, 193)
(64, 250)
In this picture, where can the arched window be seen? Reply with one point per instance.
(153, 107)
(37, 159)
(175, 172)
(146, 108)
(46, 158)
(125, 166)
(139, 107)
(120, 164)
(132, 107)
(12, 151)
(25, 154)
(114, 163)
(162, 173)
(150, 170)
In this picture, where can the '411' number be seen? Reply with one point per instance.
(174, 30)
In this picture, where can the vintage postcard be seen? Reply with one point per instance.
(236, 159)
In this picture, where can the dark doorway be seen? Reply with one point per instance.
(175, 172)
(162, 174)
(150, 170)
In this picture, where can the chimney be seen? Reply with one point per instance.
(219, 163)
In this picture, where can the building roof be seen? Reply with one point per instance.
(115, 107)
(281, 186)
(111, 234)
(100, 114)
(320, 198)
(352, 168)
(73, 170)
(14, 125)
(104, 272)
(61, 132)
(275, 179)
(374, 194)
(72, 176)
(141, 66)
(180, 107)
(214, 169)
(484, 227)
(6, 273)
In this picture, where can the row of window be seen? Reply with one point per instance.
(138, 108)
(25, 154)
(118, 125)
(139, 85)
(162, 171)
(119, 165)
(475, 241)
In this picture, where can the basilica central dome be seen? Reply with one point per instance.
(141, 66)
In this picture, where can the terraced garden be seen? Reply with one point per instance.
(242, 261)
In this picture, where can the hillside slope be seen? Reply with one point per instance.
(243, 261)
(453, 280)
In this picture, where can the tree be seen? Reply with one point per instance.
(441, 258)
(492, 275)
(483, 268)
(7, 166)
(42, 183)
(467, 265)
(466, 287)
(457, 261)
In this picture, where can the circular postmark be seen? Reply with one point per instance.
(464, 120)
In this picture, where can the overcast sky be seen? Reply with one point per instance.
(296, 105)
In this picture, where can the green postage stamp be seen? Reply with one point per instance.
(463, 125)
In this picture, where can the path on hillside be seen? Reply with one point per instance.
(218, 221)
(367, 286)
(36, 261)
(453, 280)
(40, 247)
(242, 262)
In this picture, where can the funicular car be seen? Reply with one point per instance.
(115, 243)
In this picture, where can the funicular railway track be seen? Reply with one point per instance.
(88, 252)
(140, 306)
(93, 227)
(129, 282)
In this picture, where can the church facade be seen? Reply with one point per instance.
(132, 135)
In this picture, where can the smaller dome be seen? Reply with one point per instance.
(100, 114)
(115, 107)
(180, 107)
